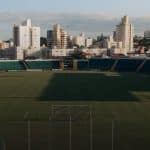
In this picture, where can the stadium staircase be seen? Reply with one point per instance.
(114, 65)
(141, 65)
(68, 64)
(25, 64)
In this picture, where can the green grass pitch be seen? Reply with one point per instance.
(122, 97)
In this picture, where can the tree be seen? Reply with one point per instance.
(43, 41)
(78, 54)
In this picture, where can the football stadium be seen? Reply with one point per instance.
(87, 104)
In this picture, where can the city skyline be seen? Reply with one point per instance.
(93, 17)
(91, 24)
(26, 42)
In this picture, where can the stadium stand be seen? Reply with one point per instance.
(82, 64)
(101, 64)
(68, 63)
(115, 64)
(11, 65)
(127, 65)
(43, 64)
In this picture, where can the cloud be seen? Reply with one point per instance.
(74, 23)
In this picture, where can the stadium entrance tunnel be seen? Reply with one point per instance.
(96, 87)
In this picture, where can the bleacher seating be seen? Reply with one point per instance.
(43, 64)
(11, 65)
(128, 65)
(82, 64)
(101, 64)
(119, 65)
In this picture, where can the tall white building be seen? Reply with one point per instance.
(35, 38)
(124, 33)
(26, 37)
(60, 37)
(110, 43)
(63, 39)
(57, 35)
(88, 42)
(80, 40)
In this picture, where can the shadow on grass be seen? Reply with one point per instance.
(94, 87)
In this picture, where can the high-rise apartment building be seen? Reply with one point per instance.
(124, 33)
(26, 37)
(80, 40)
(50, 38)
(70, 41)
(88, 42)
(60, 37)
(63, 39)
(57, 35)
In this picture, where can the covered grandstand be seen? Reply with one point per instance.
(99, 64)
(15, 65)
(115, 64)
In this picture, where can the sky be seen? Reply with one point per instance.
(89, 16)
(132, 7)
